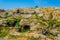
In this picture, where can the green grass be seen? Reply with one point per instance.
(4, 31)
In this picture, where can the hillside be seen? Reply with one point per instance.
(30, 24)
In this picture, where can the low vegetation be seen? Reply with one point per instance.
(30, 23)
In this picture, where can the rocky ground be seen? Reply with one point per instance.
(30, 24)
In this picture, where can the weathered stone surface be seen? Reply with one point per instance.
(30, 24)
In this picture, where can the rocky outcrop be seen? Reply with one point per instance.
(33, 23)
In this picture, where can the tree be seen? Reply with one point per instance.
(36, 6)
